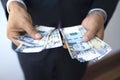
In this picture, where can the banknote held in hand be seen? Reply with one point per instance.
(92, 50)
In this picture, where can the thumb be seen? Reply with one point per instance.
(88, 35)
(33, 32)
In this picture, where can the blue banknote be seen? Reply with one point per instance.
(92, 50)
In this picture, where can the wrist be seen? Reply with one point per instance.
(14, 4)
(99, 12)
(98, 15)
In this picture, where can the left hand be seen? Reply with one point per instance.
(94, 24)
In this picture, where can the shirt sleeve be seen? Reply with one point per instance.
(9, 1)
(101, 11)
(108, 6)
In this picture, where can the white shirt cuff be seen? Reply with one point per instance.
(9, 1)
(103, 12)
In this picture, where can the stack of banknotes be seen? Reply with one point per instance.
(92, 50)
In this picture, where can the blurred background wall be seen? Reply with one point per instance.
(9, 64)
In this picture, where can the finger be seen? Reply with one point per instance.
(15, 42)
(64, 44)
(32, 32)
(11, 35)
(100, 34)
(89, 35)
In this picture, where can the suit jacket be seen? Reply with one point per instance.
(70, 12)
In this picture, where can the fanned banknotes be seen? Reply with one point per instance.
(93, 49)
(51, 39)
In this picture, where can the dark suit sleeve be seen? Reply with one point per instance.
(4, 6)
(108, 5)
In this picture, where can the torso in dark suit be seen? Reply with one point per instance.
(56, 64)
(70, 12)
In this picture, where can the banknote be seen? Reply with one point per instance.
(99, 45)
(94, 49)
(28, 40)
(91, 50)
(51, 39)
(73, 39)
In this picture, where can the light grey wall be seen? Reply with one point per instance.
(9, 65)
(112, 32)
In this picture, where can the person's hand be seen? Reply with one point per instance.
(20, 21)
(94, 24)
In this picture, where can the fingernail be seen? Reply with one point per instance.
(85, 38)
(37, 36)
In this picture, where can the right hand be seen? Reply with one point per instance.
(19, 21)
